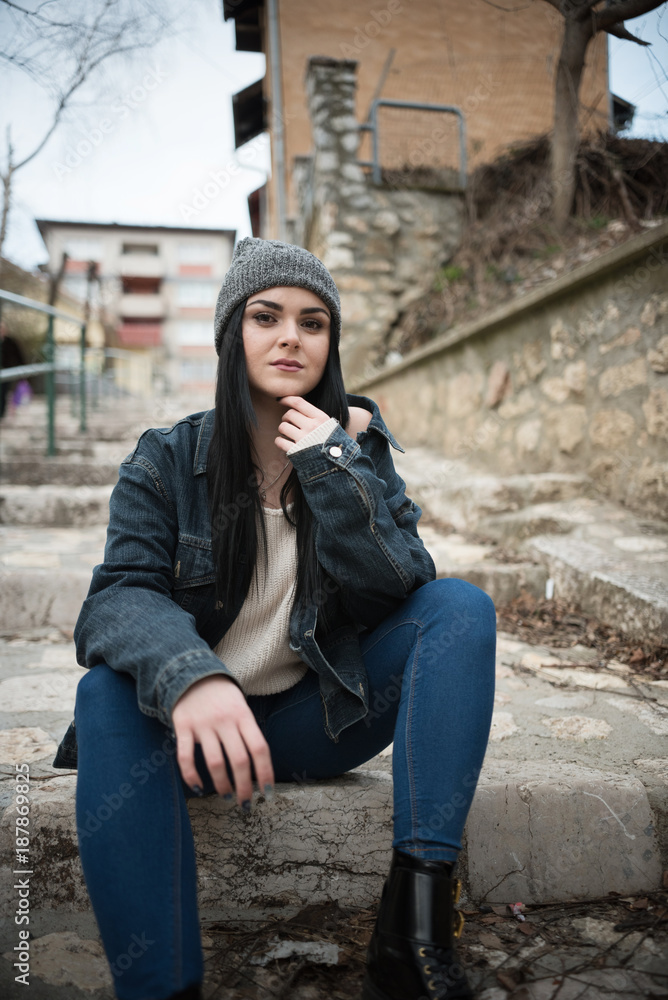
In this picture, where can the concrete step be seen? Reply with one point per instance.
(55, 506)
(623, 586)
(45, 574)
(558, 518)
(124, 411)
(114, 449)
(572, 802)
(61, 470)
(50, 567)
(455, 493)
(598, 554)
(454, 555)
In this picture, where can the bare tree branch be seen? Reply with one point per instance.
(37, 15)
(623, 10)
(61, 55)
(620, 32)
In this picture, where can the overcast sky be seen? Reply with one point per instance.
(156, 145)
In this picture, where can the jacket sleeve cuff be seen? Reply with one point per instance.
(317, 436)
(182, 672)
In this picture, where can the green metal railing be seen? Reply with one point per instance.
(49, 366)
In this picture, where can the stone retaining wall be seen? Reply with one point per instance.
(383, 246)
(572, 378)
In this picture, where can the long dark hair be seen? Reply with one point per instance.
(234, 499)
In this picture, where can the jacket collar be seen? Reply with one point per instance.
(206, 430)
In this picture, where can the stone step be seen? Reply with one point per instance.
(453, 492)
(558, 518)
(572, 802)
(62, 470)
(114, 449)
(55, 506)
(454, 556)
(120, 411)
(46, 573)
(49, 567)
(621, 579)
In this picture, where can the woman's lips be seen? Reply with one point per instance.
(287, 368)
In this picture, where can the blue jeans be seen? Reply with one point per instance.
(431, 681)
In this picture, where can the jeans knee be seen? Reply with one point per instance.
(98, 686)
(465, 612)
(450, 592)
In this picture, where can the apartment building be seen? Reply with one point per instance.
(495, 63)
(157, 290)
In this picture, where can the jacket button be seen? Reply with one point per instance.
(335, 451)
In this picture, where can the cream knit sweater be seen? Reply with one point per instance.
(256, 648)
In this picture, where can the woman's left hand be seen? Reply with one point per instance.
(301, 418)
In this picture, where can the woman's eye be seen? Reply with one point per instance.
(312, 324)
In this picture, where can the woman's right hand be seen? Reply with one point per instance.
(214, 711)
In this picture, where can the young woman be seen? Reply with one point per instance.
(263, 586)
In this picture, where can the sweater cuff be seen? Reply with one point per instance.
(317, 436)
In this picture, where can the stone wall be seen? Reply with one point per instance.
(383, 246)
(572, 378)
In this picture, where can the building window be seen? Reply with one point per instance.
(140, 286)
(198, 371)
(142, 248)
(196, 294)
(83, 250)
(195, 333)
(194, 253)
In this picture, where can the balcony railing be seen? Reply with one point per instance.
(142, 306)
(141, 265)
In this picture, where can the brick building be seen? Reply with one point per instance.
(497, 67)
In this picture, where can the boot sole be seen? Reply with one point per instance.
(371, 992)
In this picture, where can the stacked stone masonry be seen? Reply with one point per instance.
(382, 246)
(573, 378)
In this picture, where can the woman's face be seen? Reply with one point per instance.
(286, 323)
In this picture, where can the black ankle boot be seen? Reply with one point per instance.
(193, 992)
(411, 954)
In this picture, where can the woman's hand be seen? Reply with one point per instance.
(301, 418)
(214, 711)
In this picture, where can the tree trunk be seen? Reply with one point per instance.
(6, 204)
(566, 133)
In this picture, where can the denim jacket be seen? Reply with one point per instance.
(151, 609)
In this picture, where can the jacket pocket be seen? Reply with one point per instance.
(193, 573)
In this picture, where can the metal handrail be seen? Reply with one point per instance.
(21, 300)
(372, 126)
(23, 371)
(50, 366)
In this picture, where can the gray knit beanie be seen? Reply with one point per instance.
(258, 264)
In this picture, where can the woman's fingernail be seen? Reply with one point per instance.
(227, 796)
(246, 806)
(269, 792)
(197, 789)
